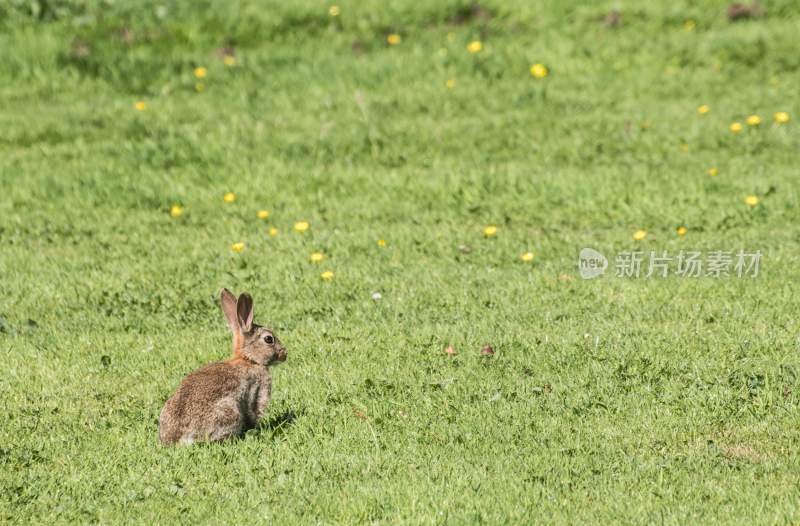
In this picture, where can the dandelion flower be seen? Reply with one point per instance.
(751, 200)
(475, 46)
(539, 71)
(301, 226)
(141, 106)
(230, 197)
(176, 211)
(712, 171)
(639, 235)
(381, 242)
(316, 257)
(702, 110)
(393, 39)
(229, 60)
(527, 257)
(376, 296)
(451, 83)
(327, 275)
(490, 231)
(263, 214)
(334, 10)
(781, 117)
(681, 230)
(273, 231)
(736, 127)
(238, 247)
(753, 120)
(200, 72)
(689, 25)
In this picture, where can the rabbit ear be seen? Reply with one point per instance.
(228, 302)
(244, 308)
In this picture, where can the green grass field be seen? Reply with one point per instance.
(615, 400)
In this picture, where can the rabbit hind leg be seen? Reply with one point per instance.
(227, 423)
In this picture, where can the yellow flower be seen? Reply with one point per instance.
(237, 247)
(200, 72)
(316, 257)
(684, 147)
(702, 110)
(199, 87)
(527, 257)
(681, 230)
(751, 200)
(781, 117)
(176, 211)
(327, 275)
(451, 83)
(689, 25)
(381, 242)
(334, 10)
(301, 226)
(539, 71)
(393, 39)
(475, 46)
(736, 127)
(229, 60)
(263, 214)
(639, 235)
(230, 197)
(490, 231)
(712, 171)
(140, 105)
(753, 120)
(273, 231)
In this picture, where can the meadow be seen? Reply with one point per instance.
(446, 162)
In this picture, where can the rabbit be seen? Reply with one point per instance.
(225, 399)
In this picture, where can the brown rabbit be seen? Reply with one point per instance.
(225, 399)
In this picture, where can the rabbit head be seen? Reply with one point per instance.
(251, 342)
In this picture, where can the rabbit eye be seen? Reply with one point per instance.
(269, 339)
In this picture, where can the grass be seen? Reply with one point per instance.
(669, 400)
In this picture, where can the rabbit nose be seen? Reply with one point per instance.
(281, 354)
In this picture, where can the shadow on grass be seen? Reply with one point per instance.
(277, 425)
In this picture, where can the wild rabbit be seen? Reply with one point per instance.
(225, 399)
